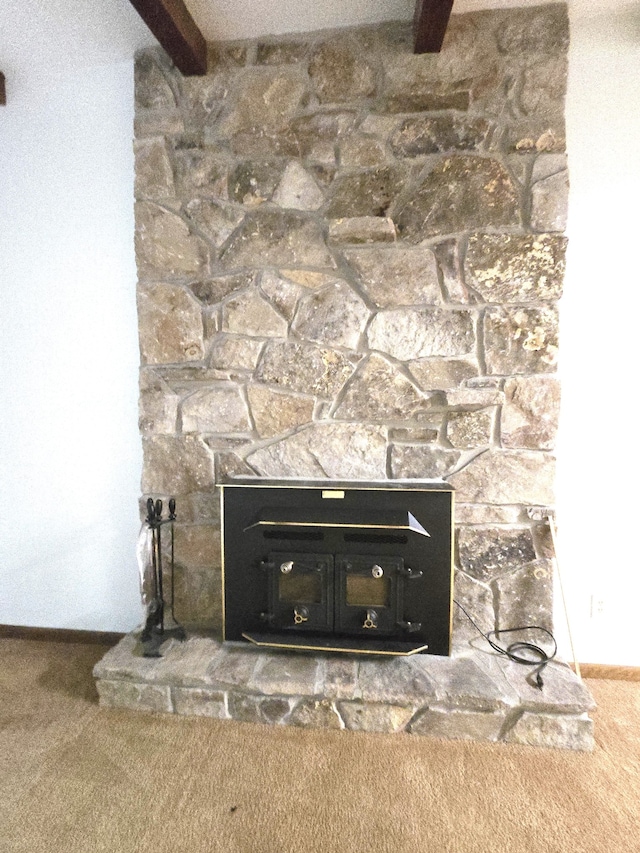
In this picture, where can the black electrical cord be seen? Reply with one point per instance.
(515, 650)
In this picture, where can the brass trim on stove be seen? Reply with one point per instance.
(362, 526)
(453, 574)
(319, 648)
(410, 485)
(222, 566)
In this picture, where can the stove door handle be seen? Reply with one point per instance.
(371, 619)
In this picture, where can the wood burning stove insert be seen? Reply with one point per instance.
(360, 567)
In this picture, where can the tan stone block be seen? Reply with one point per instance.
(338, 451)
(220, 409)
(134, 697)
(249, 313)
(413, 333)
(530, 412)
(378, 391)
(369, 717)
(507, 477)
(459, 725)
(362, 229)
(275, 412)
(468, 430)
(199, 702)
(334, 315)
(553, 730)
(176, 465)
(316, 714)
(170, 323)
(153, 170)
(164, 244)
(395, 276)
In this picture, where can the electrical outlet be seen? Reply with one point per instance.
(597, 606)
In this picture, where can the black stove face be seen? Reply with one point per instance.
(351, 567)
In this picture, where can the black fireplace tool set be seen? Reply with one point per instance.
(160, 624)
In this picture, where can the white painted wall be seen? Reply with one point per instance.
(69, 518)
(599, 466)
(69, 449)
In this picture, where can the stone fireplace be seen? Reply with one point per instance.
(350, 259)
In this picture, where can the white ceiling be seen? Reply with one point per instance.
(234, 19)
(44, 36)
(41, 37)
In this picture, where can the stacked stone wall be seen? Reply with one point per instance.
(350, 259)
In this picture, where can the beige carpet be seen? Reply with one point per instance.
(77, 779)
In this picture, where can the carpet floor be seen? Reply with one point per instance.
(75, 778)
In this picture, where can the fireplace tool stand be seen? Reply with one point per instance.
(160, 624)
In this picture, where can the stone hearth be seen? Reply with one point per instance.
(474, 695)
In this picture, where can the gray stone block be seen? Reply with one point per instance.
(134, 696)
(285, 674)
(317, 714)
(553, 730)
(461, 684)
(397, 681)
(459, 724)
(199, 702)
(369, 717)
(258, 709)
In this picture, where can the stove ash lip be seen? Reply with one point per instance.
(351, 527)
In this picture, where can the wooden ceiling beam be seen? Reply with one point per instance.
(430, 22)
(172, 24)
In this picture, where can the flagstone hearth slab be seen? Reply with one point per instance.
(472, 695)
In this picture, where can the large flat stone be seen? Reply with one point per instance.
(335, 316)
(369, 717)
(199, 702)
(176, 465)
(516, 268)
(277, 238)
(134, 696)
(416, 137)
(249, 313)
(507, 477)
(215, 410)
(553, 730)
(164, 243)
(378, 391)
(285, 675)
(340, 71)
(276, 412)
(459, 724)
(326, 451)
(461, 684)
(367, 193)
(304, 368)
(521, 339)
(317, 714)
(487, 552)
(395, 276)
(398, 681)
(171, 327)
(258, 709)
(413, 333)
(530, 413)
(461, 193)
